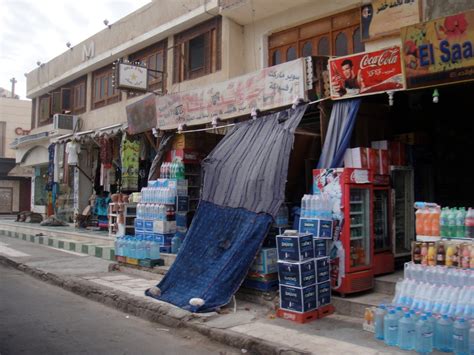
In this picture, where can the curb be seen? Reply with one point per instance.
(161, 312)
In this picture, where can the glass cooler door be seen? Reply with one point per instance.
(381, 231)
(359, 227)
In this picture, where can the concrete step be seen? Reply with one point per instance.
(386, 284)
(354, 306)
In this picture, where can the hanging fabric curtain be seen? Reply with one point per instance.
(338, 137)
(244, 186)
(164, 146)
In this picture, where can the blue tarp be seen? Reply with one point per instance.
(225, 243)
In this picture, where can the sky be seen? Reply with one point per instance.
(38, 30)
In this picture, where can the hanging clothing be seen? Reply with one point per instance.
(129, 154)
(106, 150)
(50, 182)
(73, 149)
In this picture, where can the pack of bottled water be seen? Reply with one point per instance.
(316, 206)
(160, 195)
(440, 290)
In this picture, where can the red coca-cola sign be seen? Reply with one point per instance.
(366, 73)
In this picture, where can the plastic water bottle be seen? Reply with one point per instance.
(406, 333)
(175, 243)
(424, 336)
(155, 249)
(380, 313)
(452, 223)
(471, 340)
(461, 337)
(305, 206)
(148, 243)
(390, 325)
(444, 334)
(117, 246)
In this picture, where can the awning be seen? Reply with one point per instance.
(90, 134)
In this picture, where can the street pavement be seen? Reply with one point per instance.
(38, 318)
(250, 327)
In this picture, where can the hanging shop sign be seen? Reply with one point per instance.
(141, 115)
(366, 73)
(381, 17)
(439, 51)
(132, 76)
(265, 89)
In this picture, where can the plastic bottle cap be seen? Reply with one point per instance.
(407, 315)
(382, 306)
(445, 316)
(399, 308)
(462, 320)
(392, 311)
(424, 317)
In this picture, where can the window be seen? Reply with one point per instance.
(45, 116)
(104, 92)
(154, 57)
(334, 35)
(197, 51)
(3, 138)
(78, 99)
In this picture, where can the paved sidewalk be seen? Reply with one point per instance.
(252, 327)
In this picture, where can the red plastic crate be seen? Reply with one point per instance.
(298, 317)
(325, 310)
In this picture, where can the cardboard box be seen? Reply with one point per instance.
(188, 141)
(165, 249)
(162, 239)
(148, 225)
(373, 160)
(320, 247)
(384, 162)
(294, 246)
(164, 227)
(318, 227)
(182, 219)
(324, 293)
(322, 269)
(265, 262)
(188, 156)
(300, 274)
(359, 158)
(348, 158)
(298, 299)
(139, 224)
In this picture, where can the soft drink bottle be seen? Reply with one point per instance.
(435, 218)
(460, 222)
(461, 337)
(175, 243)
(390, 325)
(424, 336)
(444, 334)
(469, 224)
(443, 221)
(452, 223)
(406, 332)
(427, 221)
(419, 216)
(380, 313)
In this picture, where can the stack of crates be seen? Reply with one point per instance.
(304, 279)
(263, 274)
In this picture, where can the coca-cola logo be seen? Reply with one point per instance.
(387, 57)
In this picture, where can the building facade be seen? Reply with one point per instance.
(193, 44)
(15, 118)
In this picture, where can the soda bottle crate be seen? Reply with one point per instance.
(306, 317)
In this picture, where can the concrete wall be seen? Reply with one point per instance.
(256, 34)
(434, 8)
(16, 113)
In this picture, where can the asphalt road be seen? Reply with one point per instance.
(38, 318)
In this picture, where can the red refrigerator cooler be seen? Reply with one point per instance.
(384, 260)
(351, 193)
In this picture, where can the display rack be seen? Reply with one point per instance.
(126, 212)
(192, 173)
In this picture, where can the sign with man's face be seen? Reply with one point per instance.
(366, 73)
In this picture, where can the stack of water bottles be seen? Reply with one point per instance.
(316, 206)
(433, 308)
(141, 247)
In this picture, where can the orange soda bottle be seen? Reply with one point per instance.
(419, 221)
(434, 219)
